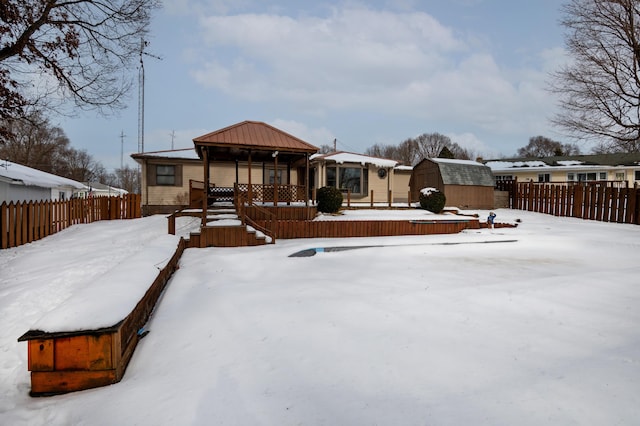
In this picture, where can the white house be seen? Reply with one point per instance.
(21, 183)
(97, 189)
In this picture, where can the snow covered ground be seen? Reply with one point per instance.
(466, 329)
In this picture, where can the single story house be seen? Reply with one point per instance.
(20, 183)
(361, 176)
(97, 189)
(248, 153)
(621, 168)
(466, 184)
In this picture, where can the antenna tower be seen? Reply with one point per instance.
(143, 44)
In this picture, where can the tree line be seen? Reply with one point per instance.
(34, 142)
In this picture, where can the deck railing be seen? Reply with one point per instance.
(241, 202)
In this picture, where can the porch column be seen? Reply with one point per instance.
(275, 179)
(249, 190)
(306, 179)
(205, 189)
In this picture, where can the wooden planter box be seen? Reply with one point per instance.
(71, 361)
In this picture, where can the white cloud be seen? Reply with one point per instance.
(315, 136)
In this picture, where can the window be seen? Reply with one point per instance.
(270, 178)
(165, 175)
(571, 177)
(637, 175)
(352, 179)
(590, 176)
(544, 177)
(61, 196)
(621, 176)
(504, 177)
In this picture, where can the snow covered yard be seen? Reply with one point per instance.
(473, 328)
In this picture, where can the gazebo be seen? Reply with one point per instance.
(257, 142)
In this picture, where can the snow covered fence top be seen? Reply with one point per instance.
(113, 296)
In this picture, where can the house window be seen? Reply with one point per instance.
(591, 176)
(165, 175)
(352, 179)
(544, 177)
(637, 175)
(61, 196)
(571, 177)
(504, 177)
(620, 176)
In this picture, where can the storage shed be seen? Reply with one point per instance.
(466, 184)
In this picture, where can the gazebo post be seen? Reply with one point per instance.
(205, 189)
(250, 189)
(275, 179)
(306, 180)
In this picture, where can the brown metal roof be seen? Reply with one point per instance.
(255, 135)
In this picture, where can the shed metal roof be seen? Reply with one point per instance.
(460, 172)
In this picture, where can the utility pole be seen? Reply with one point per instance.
(122, 149)
(173, 136)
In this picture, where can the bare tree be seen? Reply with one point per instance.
(76, 50)
(34, 142)
(413, 150)
(129, 179)
(540, 146)
(600, 89)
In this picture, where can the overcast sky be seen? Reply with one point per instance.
(362, 72)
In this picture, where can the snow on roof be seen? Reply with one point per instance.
(541, 165)
(185, 153)
(455, 161)
(349, 157)
(23, 175)
(501, 165)
(402, 167)
(570, 162)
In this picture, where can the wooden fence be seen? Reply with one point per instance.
(24, 222)
(600, 201)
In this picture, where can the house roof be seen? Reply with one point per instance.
(254, 135)
(341, 157)
(463, 172)
(17, 174)
(182, 153)
(620, 159)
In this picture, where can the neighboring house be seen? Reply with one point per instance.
(466, 184)
(21, 183)
(247, 152)
(622, 168)
(360, 175)
(97, 189)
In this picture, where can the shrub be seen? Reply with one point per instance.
(431, 199)
(329, 199)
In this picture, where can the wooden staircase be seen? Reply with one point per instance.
(225, 229)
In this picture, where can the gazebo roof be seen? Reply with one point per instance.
(236, 140)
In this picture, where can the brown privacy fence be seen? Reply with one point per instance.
(24, 222)
(604, 201)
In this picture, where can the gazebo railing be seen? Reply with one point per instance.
(267, 193)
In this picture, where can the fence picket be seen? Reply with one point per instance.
(24, 222)
(587, 200)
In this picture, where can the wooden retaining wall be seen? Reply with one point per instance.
(369, 228)
(24, 222)
(72, 361)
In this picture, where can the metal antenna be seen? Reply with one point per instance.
(122, 135)
(143, 44)
(173, 136)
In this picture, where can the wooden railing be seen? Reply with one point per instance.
(241, 202)
(606, 201)
(268, 194)
(24, 222)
